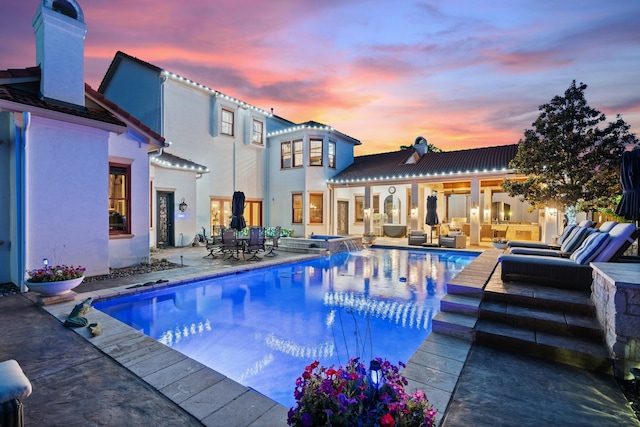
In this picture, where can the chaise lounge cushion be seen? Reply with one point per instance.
(542, 270)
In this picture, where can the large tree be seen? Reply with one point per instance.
(568, 159)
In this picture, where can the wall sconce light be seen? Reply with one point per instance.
(367, 211)
(487, 212)
(553, 211)
(414, 212)
(474, 210)
(182, 206)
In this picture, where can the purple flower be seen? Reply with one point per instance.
(307, 421)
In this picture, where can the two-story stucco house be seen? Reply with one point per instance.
(280, 166)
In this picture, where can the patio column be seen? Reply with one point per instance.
(415, 198)
(474, 212)
(367, 208)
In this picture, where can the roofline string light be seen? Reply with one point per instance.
(179, 166)
(299, 128)
(215, 92)
(388, 178)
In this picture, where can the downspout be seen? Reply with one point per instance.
(21, 181)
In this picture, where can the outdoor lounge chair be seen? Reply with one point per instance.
(565, 234)
(573, 272)
(417, 237)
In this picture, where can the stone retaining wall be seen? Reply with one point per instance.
(616, 296)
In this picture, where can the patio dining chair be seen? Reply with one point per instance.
(214, 243)
(230, 244)
(254, 244)
(273, 244)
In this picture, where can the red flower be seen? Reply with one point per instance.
(387, 421)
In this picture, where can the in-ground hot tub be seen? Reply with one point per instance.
(325, 237)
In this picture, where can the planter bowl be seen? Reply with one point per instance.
(54, 288)
(499, 245)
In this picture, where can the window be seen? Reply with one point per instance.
(296, 208)
(119, 199)
(315, 152)
(332, 154)
(315, 208)
(297, 154)
(289, 158)
(285, 155)
(359, 209)
(227, 122)
(257, 132)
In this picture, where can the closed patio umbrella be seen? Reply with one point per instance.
(237, 211)
(432, 213)
(629, 206)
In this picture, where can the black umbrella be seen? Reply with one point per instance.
(629, 206)
(432, 213)
(237, 211)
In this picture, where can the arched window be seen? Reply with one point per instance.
(66, 8)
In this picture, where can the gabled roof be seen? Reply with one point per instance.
(120, 56)
(392, 165)
(170, 161)
(99, 98)
(20, 91)
(117, 59)
(312, 125)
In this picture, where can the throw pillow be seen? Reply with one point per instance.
(590, 248)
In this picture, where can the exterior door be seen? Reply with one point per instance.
(165, 234)
(343, 218)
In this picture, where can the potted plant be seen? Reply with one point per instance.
(499, 242)
(54, 280)
(353, 396)
(369, 237)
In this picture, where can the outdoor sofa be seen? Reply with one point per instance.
(573, 272)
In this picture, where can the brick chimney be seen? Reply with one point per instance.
(60, 31)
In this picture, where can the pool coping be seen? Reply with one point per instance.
(214, 399)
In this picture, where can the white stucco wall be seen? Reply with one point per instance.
(134, 248)
(190, 120)
(66, 215)
(183, 184)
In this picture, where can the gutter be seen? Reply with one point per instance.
(20, 191)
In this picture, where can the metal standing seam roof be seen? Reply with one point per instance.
(393, 164)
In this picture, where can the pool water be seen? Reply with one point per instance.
(261, 328)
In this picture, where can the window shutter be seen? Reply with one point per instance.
(215, 116)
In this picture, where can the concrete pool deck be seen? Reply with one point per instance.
(123, 377)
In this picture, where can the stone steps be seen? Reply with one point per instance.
(540, 321)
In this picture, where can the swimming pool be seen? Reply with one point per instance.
(261, 328)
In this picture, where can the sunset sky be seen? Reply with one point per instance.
(461, 73)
